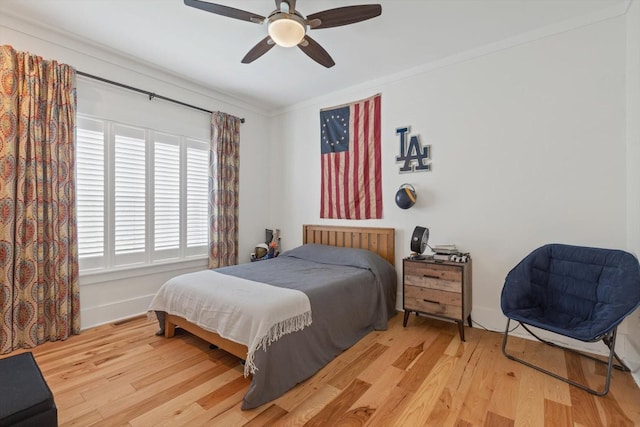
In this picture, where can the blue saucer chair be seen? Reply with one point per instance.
(578, 292)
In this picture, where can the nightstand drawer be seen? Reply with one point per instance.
(438, 271)
(433, 301)
(433, 276)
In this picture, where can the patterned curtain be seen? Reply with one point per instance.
(39, 293)
(224, 166)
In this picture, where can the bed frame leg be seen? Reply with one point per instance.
(169, 329)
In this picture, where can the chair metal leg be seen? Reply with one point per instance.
(606, 339)
(609, 340)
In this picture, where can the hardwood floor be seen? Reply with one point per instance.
(122, 374)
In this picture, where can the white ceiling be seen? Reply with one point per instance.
(207, 48)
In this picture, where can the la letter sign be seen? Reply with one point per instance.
(415, 156)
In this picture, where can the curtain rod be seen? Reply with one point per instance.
(151, 95)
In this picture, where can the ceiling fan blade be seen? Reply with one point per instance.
(316, 52)
(343, 16)
(258, 50)
(292, 5)
(230, 12)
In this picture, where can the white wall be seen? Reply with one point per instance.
(633, 170)
(528, 147)
(105, 298)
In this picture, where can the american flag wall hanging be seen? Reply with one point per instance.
(351, 181)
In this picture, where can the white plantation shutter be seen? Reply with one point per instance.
(166, 167)
(130, 192)
(90, 191)
(142, 195)
(197, 196)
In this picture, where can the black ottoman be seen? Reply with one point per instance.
(25, 398)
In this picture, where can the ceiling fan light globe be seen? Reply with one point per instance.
(286, 32)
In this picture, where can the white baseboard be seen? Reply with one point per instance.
(115, 311)
(633, 360)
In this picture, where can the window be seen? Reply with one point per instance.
(142, 195)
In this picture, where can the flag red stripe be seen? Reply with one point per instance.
(324, 201)
(356, 169)
(345, 186)
(364, 128)
(377, 143)
(329, 172)
(336, 190)
(359, 142)
(339, 182)
(323, 161)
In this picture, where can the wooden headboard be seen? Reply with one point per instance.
(375, 239)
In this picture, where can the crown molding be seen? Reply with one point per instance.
(118, 63)
(488, 49)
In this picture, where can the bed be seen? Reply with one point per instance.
(347, 278)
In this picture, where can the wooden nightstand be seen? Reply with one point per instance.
(437, 289)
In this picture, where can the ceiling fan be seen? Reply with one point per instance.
(287, 27)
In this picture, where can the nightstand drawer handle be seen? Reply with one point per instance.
(430, 276)
(431, 301)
